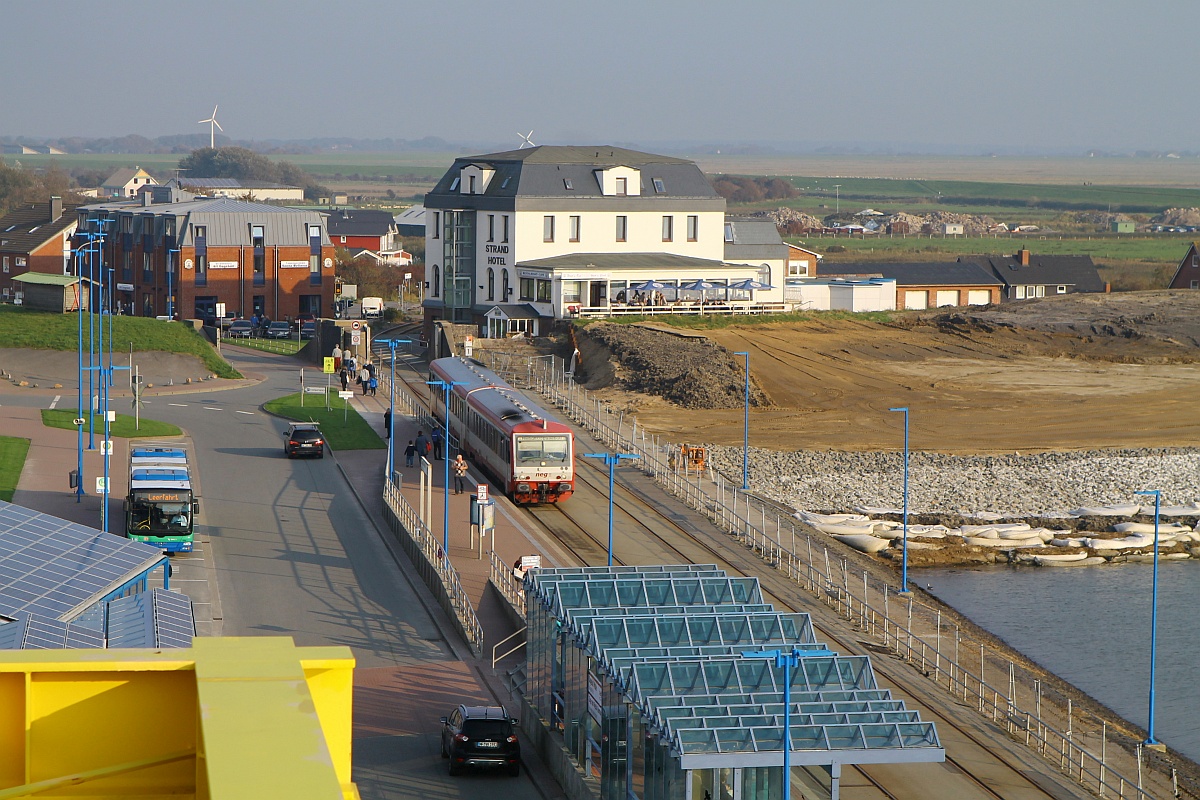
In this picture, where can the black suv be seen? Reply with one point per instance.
(481, 736)
(303, 439)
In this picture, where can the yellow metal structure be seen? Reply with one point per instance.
(230, 718)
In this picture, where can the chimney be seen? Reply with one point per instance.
(1023, 256)
(55, 208)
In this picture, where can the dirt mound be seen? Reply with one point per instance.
(1179, 216)
(691, 371)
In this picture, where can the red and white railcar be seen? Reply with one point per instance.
(500, 429)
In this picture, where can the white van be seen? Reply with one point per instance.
(370, 307)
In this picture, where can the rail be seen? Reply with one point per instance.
(511, 589)
(1083, 745)
(688, 309)
(497, 657)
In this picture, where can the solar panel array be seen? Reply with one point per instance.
(154, 619)
(34, 632)
(55, 568)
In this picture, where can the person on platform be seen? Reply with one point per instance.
(337, 357)
(344, 374)
(410, 454)
(387, 423)
(436, 438)
(423, 445)
(364, 378)
(460, 473)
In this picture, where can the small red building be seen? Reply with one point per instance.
(1187, 275)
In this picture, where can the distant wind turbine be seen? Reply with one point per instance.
(527, 139)
(214, 126)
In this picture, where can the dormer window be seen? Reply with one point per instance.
(567, 184)
(474, 178)
(659, 186)
(622, 187)
(471, 184)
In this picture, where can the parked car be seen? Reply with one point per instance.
(304, 439)
(228, 320)
(240, 329)
(308, 330)
(481, 736)
(279, 330)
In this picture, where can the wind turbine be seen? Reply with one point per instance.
(212, 131)
(527, 139)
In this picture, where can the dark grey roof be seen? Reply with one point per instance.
(227, 183)
(1077, 271)
(227, 221)
(514, 310)
(608, 261)
(28, 227)
(545, 171)
(360, 222)
(753, 239)
(938, 273)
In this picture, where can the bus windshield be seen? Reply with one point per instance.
(148, 518)
(536, 449)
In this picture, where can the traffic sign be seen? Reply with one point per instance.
(356, 325)
(481, 492)
(101, 485)
(328, 365)
(355, 338)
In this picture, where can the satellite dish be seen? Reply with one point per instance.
(526, 139)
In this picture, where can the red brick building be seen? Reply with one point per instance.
(173, 249)
(35, 238)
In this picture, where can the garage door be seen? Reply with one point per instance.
(947, 297)
(916, 299)
(978, 297)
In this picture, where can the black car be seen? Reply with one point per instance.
(303, 439)
(308, 330)
(240, 329)
(279, 330)
(481, 736)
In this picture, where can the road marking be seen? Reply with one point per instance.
(178, 405)
(210, 408)
(54, 402)
(247, 413)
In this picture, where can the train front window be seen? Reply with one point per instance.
(542, 450)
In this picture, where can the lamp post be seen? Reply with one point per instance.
(1150, 740)
(611, 459)
(445, 386)
(89, 249)
(787, 660)
(904, 550)
(391, 459)
(171, 283)
(746, 429)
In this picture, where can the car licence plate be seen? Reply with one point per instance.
(487, 744)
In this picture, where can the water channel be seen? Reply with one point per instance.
(1091, 627)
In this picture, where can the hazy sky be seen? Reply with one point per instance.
(1042, 74)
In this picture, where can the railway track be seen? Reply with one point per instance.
(646, 532)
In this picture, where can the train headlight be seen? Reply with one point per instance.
(563, 488)
(523, 488)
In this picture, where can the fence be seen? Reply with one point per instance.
(1082, 744)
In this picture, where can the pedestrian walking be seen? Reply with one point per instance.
(410, 453)
(437, 444)
(344, 374)
(374, 384)
(423, 445)
(387, 422)
(460, 473)
(364, 378)
(337, 358)
(370, 365)
(353, 362)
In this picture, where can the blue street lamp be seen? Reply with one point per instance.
(89, 249)
(611, 459)
(1150, 740)
(746, 429)
(786, 661)
(904, 550)
(446, 386)
(391, 459)
(170, 282)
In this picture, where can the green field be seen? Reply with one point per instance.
(12, 461)
(125, 426)
(344, 429)
(21, 327)
(283, 347)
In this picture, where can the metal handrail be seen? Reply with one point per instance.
(496, 659)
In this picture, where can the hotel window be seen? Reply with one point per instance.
(659, 186)
(437, 224)
(528, 288)
(693, 227)
(548, 229)
(668, 228)
(575, 229)
(437, 280)
(543, 291)
(470, 184)
(622, 228)
(491, 227)
(622, 186)
(505, 289)
(572, 291)
(491, 283)
(504, 227)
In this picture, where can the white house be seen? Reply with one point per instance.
(560, 231)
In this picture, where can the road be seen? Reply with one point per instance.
(296, 555)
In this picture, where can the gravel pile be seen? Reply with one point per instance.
(1042, 484)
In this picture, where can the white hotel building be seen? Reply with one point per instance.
(516, 239)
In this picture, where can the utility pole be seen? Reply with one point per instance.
(837, 198)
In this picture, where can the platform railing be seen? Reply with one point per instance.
(1098, 753)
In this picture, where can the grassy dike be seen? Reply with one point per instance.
(344, 429)
(21, 327)
(124, 427)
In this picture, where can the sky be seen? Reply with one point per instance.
(937, 75)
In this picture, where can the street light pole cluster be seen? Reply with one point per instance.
(391, 457)
(446, 386)
(611, 459)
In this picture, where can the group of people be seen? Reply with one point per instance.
(432, 445)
